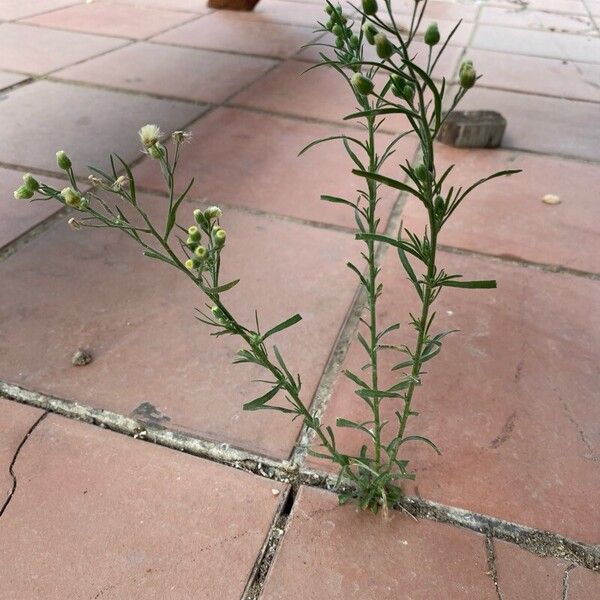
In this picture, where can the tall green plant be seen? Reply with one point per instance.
(391, 84)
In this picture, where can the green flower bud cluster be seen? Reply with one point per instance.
(28, 189)
(467, 74)
(363, 85)
(402, 88)
(432, 35)
(207, 222)
(337, 25)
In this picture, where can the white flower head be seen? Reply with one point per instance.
(149, 134)
(181, 136)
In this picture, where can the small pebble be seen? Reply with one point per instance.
(275, 492)
(551, 199)
(81, 358)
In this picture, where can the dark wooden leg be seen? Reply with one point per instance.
(233, 4)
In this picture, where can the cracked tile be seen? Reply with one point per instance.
(131, 519)
(514, 206)
(511, 401)
(137, 318)
(15, 421)
(342, 554)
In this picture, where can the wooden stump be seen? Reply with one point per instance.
(233, 4)
(473, 129)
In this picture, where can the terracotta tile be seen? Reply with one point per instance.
(535, 75)
(320, 94)
(86, 123)
(252, 161)
(192, 6)
(526, 576)
(9, 79)
(137, 319)
(574, 7)
(15, 421)
(17, 9)
(514, 206)
(183, 73)
(536, 20)
(47, 49)
(576, 133)
(460, 38)
(149, 522)
(120, 20)
(224, 30)
(583, 584)
(338, 553)
(582, 48)
(511, 400)
(18, 216)
(437, 10)
(282, 11)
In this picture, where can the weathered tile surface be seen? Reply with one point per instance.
(17, 9)
(510, 401)
(536, 20)
(15, 421)
(137, 318)
(225, 31)
(533, 123)
(97, 514)
(18, 216)
(10, 79)
(120, 20)
(502, 216)
(281, 11)
(87, 123)
(236, 166)
(535, 75)
(184, 73)
(37, 50)
(338, 553)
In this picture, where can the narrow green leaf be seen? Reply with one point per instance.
(222, 288)
(259, 403)
(157, 256)
(284, 325)
(475, 285)
(393, 183)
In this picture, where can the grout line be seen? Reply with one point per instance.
(267, 554)
(11, 467)
(491, 564)
(565, 581)
(542, 543)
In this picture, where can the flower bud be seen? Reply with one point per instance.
(71, 197)
(363, 85)
(383, 46)
(219, 237)
(339, 43)
(200, 218)
(408, 92)
(194, 234)
(439, 206)
(421, 172)
(467, 76)
(63, 161)
(329, 9)
(398, 84)
(329, 25)
(354, 42)
(432, 34)
(218, 314)
(337, 30)
(369, 7)
(213, 212)
(370, 32)
(157, 151)
(200, 252)
(30, 182)
(192, 263)
(23, 193)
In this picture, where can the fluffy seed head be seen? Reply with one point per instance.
(213, 212)
(149, 135)
(71, 197)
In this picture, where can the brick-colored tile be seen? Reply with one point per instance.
(526, 576)
(9, 79)
(533, 123)
(136, 316)
(582, 48)
(192, 6)
(18, 216)
(130, 519)
(510, 401)
(15, 421)
(119, 20)
(183, 73)
(38, 50)
(536, 20)
(225, 31)
(461, 36)
(502, 216)
(535, 75)
(17, 9)
(250, 159)
(338, 553)
(282, 11)
(583, 584)
(86, 123)
(436, 10)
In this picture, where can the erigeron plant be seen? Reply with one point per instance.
(393, 84)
